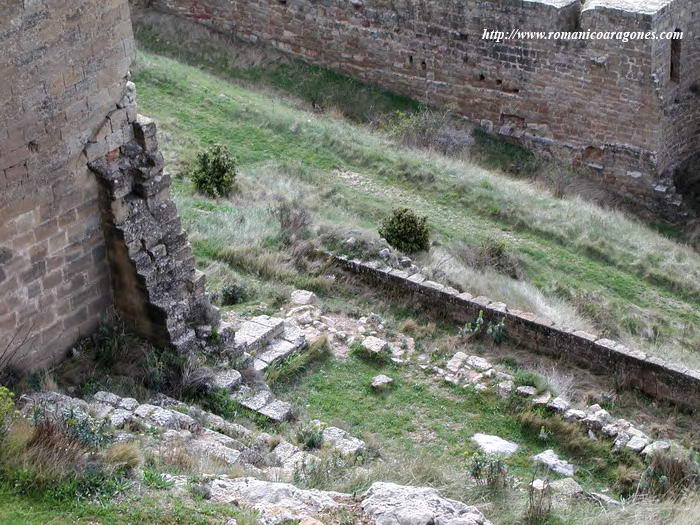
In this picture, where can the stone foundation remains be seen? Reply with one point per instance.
(628, 112)
(629, 368)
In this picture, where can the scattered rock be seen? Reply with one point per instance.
(558, 404)
(567, 487)
(526, 391)
(343, 442)
(494, 444)
(637, 443)
(374, 345)
(227, 379)
(277, 502)
(304, 297)
(454, 364)
(505, 388)
(542, 400)
(552, 461)
(391, 504)
(655, 447)
(604, 500)
(478, 363)
(381, 382)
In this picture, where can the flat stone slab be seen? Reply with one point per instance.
(553, 462)
(391, 504)
(258, 332)
(478, 363)
(494, 444)
(276, 351)
(374, 345)
(277, 411)
(303, 297)
(457, 361)
(227, 379)
(381, 381)
(342, 441)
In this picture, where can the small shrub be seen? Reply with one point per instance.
(669, 473)
(90, 432)
(294, 218)
(539, 504)
(497, 331)
(7, 410)
(567, 434)
(123, 457)
(109, 341)
(234, 293)
(474, 328)
(310, 437)
(155, 480)
(417, 330)
(214, 172)
(489, 471)
(527, 378)
(406, 231)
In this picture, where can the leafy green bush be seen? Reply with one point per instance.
(234, 293)
(7, 409)
(490, 471)
(406, 231)
(214, 172)
(310, 437)
(155, 480)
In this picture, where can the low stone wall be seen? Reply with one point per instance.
(629, 368)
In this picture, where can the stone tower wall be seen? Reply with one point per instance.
(64, 68)
(86, 219)
(608, 105)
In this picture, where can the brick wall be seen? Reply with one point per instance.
(64, 68)
(607, 105)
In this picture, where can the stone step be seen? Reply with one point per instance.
(263, 402)
(257, 333)
(292, 341)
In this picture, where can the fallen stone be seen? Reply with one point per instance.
(637, 443)
(552, 461)
(343, 442)
(526, 391)
(542, 400)
(478, 363)
(494, 444)
(574, 415)
(656, 446)
(374, 345)
(457, 361)
(391, 504)
(505, 388)
(227, 379)
(558, 404)
(381, 382)
(567, 487)
(277, 502)
(304, 297)
(604, 500)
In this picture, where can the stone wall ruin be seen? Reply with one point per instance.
(86, 220)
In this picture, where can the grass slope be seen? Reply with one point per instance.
(582, 264)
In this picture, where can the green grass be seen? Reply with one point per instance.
(418, 415)
(154, 509)
(642, 286)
